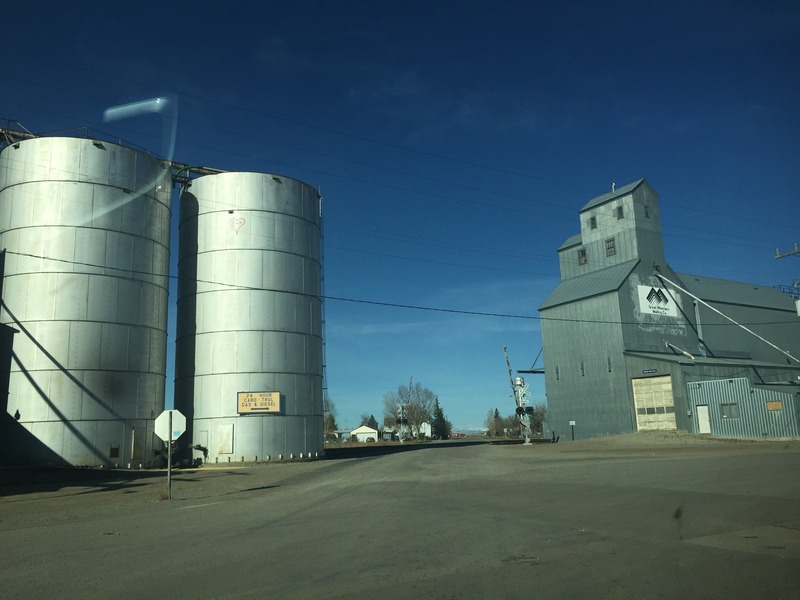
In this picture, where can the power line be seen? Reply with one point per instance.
(235, 287)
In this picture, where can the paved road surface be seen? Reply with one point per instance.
(630, 517)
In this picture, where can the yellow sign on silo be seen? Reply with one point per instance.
(259, 402)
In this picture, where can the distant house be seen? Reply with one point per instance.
(365, 434)
(425, 430)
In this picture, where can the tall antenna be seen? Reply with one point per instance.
(520, 391)
(511, 377)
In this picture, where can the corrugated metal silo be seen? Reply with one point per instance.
(250, 317)
(86, 227)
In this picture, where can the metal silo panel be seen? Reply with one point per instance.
(103, 294)
(285, 312)
(59, 244)
(248, 351)
(119, 252)
(294, 273)
(84, 340)
(21, 213)
(275, 275)
(236, 309)
(224, 352)
(249, 270)
(203, 354)
(88, 253)
(157, 356)
(72, 198)
(113, 347)
(262, 316)
(129, 310)
(274, 352)
(295, 353)
(69, 396)
(312, 278)
(71, 205)
(301, 239)
(284, 234)
(71, 301)
(54, 340)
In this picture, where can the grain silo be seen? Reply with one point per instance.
(249, 328)
(85, 224)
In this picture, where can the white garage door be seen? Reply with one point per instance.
(655, 406)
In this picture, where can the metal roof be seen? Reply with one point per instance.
(734, 292)
(574, 240)
(625, 189)
(710, 360)
(590, 284)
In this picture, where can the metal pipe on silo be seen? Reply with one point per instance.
(86, 227)
(249, 329)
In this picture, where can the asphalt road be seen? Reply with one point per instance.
(630, 517)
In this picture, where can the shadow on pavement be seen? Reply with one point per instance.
(370, 450)
(29, 480)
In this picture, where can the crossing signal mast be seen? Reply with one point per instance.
(402, 417)
(520, 390)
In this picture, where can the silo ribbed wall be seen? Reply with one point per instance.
(86, 227)
(249, 315)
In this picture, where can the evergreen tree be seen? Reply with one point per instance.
(372, 422)
(440, 427)
(329, 424)
(499, 425)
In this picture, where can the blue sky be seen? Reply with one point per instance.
(454, 144)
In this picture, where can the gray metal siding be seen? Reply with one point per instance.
(579, 341)
(754, 420)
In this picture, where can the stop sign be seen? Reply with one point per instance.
(162, 425)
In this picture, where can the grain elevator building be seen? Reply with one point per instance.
(631, 345)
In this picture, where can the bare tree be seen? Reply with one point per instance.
(329, 421)
(414, 403)
(538, 418)
(495, 424)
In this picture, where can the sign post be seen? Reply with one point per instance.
(169, 459)
(170, 425)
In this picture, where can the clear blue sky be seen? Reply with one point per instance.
(454, 143)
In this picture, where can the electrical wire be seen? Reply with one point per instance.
(236, 287)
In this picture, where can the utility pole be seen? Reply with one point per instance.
(795, 252)
(795, 288)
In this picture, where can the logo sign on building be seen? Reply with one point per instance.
(258, 402)
(656, 301)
